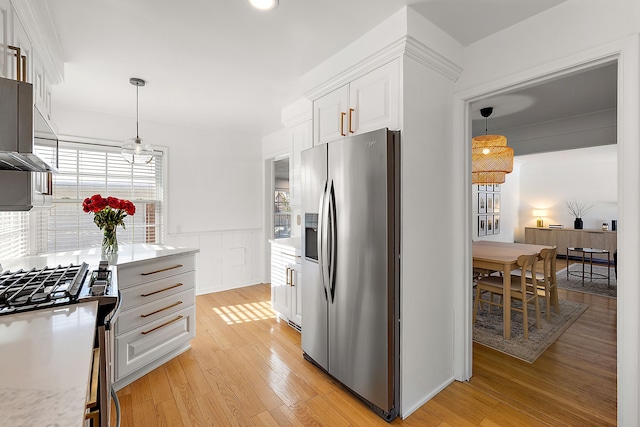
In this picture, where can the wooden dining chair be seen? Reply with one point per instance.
(548, 287)
(547, 283)
(522, 288)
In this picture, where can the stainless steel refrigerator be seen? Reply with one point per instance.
(350, 264)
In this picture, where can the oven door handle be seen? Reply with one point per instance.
(116, 403)
(111, 317)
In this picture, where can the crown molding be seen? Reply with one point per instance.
(428, 57)
(296, 113)
(405, 46)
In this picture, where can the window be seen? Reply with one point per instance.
(282, 215)
(87, 169)
(14, 234)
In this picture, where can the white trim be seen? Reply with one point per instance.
(406, 45)
(428, 57)
(627, 53)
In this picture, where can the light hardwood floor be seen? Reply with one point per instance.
(245, 368)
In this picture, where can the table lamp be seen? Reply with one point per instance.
(539, 213)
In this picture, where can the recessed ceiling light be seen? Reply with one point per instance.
(264, 4)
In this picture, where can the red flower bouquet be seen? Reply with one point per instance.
(108, 213)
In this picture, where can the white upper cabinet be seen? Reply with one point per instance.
(367, 103)
(299, 140)
(20, 68)
(5, 15)
(330, 116)
(41, 86)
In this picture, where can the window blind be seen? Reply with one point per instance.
(86, 169)
(14, 234)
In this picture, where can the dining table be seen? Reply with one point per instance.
(503, 257)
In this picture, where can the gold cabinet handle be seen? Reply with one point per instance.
(162, 326)
(342, 123)
(24, 68)
(162, 290)
(351, 110)
(293, 272)
(287, 274)
(18, 60)
(160, 271)
(162, 309)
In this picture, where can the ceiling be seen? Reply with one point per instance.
(222, 65)
(583, 92)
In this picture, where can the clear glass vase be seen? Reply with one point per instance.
(109, 240)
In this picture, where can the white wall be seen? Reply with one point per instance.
(549, 180)
(214, 191)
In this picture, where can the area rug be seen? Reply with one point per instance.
(596, 286)
(488, 328)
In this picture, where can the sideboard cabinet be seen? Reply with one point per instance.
(563, 238)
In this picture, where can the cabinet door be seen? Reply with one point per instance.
(280, 278)
(330, 116)
(299, 139)
(5, 14)
(374, 100)
(21, 40)
(296, 296)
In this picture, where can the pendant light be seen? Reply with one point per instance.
(135, 150)
(491, 159)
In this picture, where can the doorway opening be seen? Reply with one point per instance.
(578, 145)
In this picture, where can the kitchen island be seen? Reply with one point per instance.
(45, 361)
(157, 314)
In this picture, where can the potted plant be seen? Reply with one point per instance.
(579, 210)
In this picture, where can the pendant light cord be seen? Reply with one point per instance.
(137, 132)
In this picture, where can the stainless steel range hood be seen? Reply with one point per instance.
(17, 129)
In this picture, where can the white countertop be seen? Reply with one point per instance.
(127, 254)
(45, 359)
(289, 241)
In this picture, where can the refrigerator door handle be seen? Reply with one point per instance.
(322, 230)
(333, 241)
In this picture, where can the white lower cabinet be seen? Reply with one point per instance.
(296, 294)
(157, 315)
(286, 282)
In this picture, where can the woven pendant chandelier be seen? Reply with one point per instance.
(491, 159)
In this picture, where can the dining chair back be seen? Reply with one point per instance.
(522, 288)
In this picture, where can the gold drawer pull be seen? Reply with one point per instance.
(162, 290)
(162, 309)
(162, 326)
(164, 269)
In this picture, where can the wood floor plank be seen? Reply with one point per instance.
(246, 368)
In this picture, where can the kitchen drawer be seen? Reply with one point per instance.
(158, 289)
(156, 310)
(139, 347)
(148, 271)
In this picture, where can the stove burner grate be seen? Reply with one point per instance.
(39, 288)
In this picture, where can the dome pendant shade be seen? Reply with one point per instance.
(135, 150)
